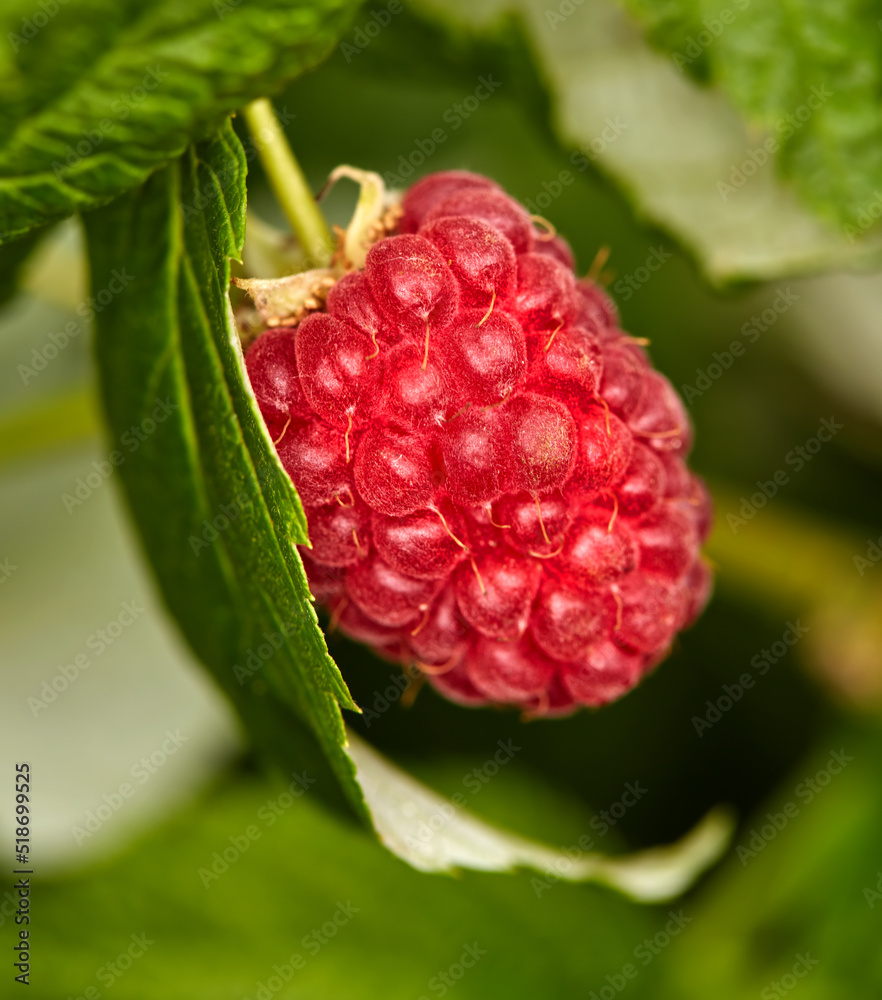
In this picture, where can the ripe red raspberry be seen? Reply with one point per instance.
(493, 473)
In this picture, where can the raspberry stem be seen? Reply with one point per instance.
(289, 184)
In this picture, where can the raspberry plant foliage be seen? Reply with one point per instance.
(243, 589)
(169, 336)
(493, 474)
(109, 90)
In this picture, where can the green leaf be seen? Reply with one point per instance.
(435, 834)
(797, 563)
(217, 514)
(246, 878)
(667, 141)
(805, 879)
(809, 73)
(107, 92)
(12, 261)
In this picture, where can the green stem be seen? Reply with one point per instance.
(289, 184)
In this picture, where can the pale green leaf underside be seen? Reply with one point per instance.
(435, 834)
(770, 59)
(679, 142)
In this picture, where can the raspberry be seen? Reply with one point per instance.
(336, 374)
(487, 358)
(494, 475)
(272, 368)
(501, 214)
(481, 258)
(413, 285)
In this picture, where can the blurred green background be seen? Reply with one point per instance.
(806, 886)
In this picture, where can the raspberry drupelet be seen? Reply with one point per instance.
(493, 473)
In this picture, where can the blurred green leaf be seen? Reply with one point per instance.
(795, 563)
(53, 423)
(808, 73)
(218, 516)
(667, 141)
(247, 879)
(12, 260)
(102, 93)
(802, 882)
